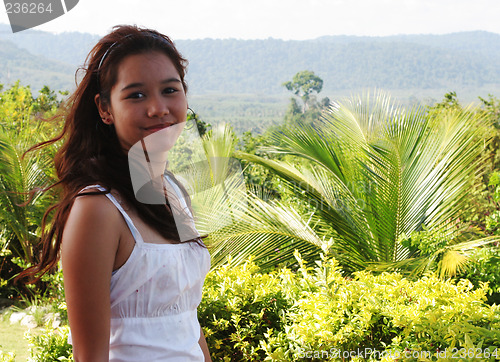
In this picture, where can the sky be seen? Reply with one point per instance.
(279, 19)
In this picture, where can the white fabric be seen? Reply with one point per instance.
(154, 300)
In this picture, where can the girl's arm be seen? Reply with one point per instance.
(204, 346)
(89, 244)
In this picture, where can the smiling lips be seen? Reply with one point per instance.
(157, 127)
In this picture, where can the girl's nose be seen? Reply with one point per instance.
(157, 107)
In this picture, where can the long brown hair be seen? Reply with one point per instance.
(91, 153)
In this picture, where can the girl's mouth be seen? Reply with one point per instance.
(157, 127)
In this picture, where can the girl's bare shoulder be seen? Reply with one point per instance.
(94, 204)
(93, 229)
(93, 215)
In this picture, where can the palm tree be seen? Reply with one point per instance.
(223, 206)
(21, 212)
(374, 173)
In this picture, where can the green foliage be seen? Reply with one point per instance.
(426, 241)
(484, 268)
(445, 250)
(45, 304)
(21, 212)
(201, 125)
(278, 316)
(7, 356)
(248, 315)
(482, 212)
(258, 177)
(304, 84)
(49, 292)
(51, 346)
(450, 101)
(492, 109)
(239, 306)
(293, 111)
(296, 116)
(373, 172)
(245, 112)
(492, 220)
(18, 107)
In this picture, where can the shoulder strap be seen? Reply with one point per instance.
(180, 195)
(135, 233)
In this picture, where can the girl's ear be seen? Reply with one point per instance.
(103, 109)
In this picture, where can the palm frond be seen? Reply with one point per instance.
(268, 231)
(395, 171)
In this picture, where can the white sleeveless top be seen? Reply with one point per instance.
(154, 300)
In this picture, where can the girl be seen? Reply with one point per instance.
(132, 285)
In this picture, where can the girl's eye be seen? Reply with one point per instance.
(169, 90)
(136, 95)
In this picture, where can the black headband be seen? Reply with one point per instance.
(117, 43)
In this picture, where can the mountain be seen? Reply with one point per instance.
(476, 41)
(468, 61)
(228, 66)
(70, 48)
(33, 70)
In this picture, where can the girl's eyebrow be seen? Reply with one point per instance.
(136, 85)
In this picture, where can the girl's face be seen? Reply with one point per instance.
(147, 97)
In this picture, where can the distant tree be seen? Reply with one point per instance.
(304, 84)
(450, 101)
(202, 126)
(294, 113)
(491, 107)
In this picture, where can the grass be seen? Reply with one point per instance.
(12, 336)
(12, 339)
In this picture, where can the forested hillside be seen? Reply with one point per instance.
(344, 63)
(33, 70)
(71, 48)
(474, 41)
(461, 61)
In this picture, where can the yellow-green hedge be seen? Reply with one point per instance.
(317, 314)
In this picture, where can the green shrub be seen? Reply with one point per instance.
(317, 314)
(239, 306)
(49, 299)
(389, 312)
(7, 356)
(484, 267)
(492, 220)
(51, 346)
(285, 315)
